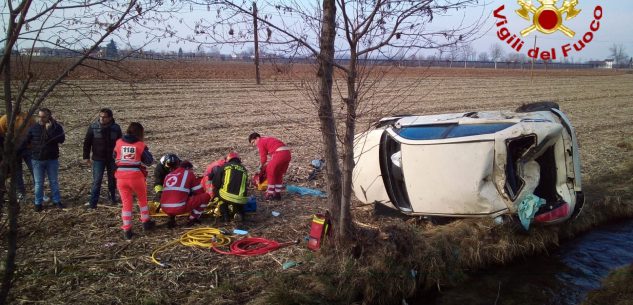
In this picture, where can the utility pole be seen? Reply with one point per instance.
(532, 69)
(257, 77)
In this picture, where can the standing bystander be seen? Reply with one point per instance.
(23, 150)
(100, 140)
(44, 139)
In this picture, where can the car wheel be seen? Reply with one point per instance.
(537, 106)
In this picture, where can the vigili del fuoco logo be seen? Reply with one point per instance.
(547, 19)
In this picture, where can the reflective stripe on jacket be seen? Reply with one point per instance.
(178, 186)
(128, 158)
(233, 184)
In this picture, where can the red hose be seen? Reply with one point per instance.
(251, 246)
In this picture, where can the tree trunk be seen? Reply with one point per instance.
(257, 77)
(13, 209)
(345, 217)
(7, 169)
(326, 114)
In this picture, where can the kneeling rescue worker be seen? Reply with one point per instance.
(207, 178)
(183, 193)
(231, 181)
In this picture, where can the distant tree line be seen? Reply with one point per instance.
(454, 56)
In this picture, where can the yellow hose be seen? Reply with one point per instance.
(202, 237)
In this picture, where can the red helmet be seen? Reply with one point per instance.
(232, 155)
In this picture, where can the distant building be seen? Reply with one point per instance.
(44, 51)
(48, 52)
(602, 64)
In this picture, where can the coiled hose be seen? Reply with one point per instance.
(202, 237)
(251, 246)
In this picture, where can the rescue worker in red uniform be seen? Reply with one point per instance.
(276, 167)
(182, 193)
(167, 163)
(131, 155)
(207, 182)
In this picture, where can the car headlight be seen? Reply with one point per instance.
(396, 159)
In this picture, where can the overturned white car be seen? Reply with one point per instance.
(473, 164)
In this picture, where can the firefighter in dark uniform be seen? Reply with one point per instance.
(231, 182)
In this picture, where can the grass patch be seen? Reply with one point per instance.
(616, 289)
(417, 259)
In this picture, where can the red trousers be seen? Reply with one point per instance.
(128, 187)
(277, 167)
(196, 204)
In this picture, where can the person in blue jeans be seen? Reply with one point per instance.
(100, 139)
(23, 152)
(44, 139)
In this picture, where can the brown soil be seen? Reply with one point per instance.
(200, 112)
(273, 70)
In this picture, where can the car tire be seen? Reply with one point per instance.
(537, 106)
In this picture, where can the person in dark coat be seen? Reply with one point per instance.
(100, 140)
(231, 184)
(44, 138)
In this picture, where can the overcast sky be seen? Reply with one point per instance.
(615, 28)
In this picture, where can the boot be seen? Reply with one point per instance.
(192, 222)
(149, 225)
(171, 222)
(224, 210)
(127, 234)
(238, 217)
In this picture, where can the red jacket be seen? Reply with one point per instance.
(207, 178)
(129, 155)
(178, 186)
(267, 146)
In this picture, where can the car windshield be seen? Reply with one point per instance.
(447, 131)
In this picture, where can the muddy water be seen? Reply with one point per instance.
(562, 277)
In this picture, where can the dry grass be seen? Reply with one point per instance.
(422, 256)
(79, 257)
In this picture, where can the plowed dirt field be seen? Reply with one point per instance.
(78, 256)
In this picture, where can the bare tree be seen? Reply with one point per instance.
(453, 53)
(618, 52)
(365, 30)
(483, 56)
(76, 28)
(468, 52)
(496, 53)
